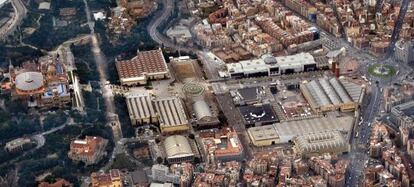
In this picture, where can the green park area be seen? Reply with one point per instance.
(381, 70)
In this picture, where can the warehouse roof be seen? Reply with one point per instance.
(298, 127)
(317, 94)
(171, 111)
(353, 90)
(177, 146)
(263, 133)
(201, 109)
(333, 91)
(146, 62)
(330, 91)
(140, 106)
(287, 130)
(340, 90)
(295, 60)
(331, 141)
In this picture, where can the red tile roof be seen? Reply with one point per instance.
(145, 62)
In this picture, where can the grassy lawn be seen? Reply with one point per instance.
(391, 70)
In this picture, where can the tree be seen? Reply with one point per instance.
(159, 160)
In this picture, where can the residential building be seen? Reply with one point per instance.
(89, 150)
(111, 179)
(16, 144)
(58, 183)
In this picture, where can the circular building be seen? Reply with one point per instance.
(178, 149)
(29, 83)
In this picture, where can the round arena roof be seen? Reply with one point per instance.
(177, 146)
(29, 81)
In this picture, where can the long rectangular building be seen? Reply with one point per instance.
(141, 109)
(147, 65)
(334, 94)
(323, 142)
(286, 131)
(269, 65)
(168, 112)
(171, 114)
(403, 114)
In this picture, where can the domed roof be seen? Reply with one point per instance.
(177, 146)
(201, 109)
(29, 81)
(269, 59)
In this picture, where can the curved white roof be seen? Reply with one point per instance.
(201, 109)
(28, 81)
(177, 146)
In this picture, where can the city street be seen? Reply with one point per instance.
(20, 12)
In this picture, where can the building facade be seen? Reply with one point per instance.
(89, 150)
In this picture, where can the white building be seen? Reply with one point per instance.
(269, 65)
(286, 131)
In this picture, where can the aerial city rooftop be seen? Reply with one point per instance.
(207, 93)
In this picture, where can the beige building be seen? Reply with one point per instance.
(178, 149)
(172, 117)
(168, 112)
(286, 131)
(263, 135)
(147, 65)
(141, 109)
(319, 143)
(325, 95)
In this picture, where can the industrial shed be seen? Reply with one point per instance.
(325, 95)
(177, 149)
(319, 143)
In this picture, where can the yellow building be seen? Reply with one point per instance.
(263, 135)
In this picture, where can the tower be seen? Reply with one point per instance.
(11, 71)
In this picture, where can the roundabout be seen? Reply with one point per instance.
(381, 70)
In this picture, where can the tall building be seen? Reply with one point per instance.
(404, 51)
(403, 114)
